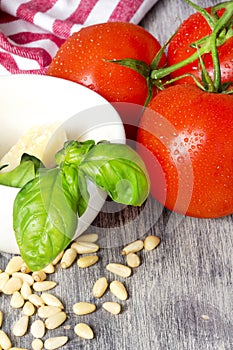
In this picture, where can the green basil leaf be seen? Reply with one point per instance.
(44, 219)
(75, 185)
(84, 195)
(23, 173)
(73, 152)
(119, 170)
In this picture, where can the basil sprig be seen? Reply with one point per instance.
(46, 209)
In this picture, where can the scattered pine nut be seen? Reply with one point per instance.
(38, 329)
(25, 277)
(112, 307)
(44, 285)
(4, 277)
(87, 261)
(83, 308)
(12, 285)
(151, 242)
(28, 309)
(48, 310)
(100, 287)
(133, 260)
(17, 300)
(14, 348)
(14, 265)
(119, 269)
(55, 342)
(39, 276)
(133, 247)
(83, 330)
(49, 269)
(25, 290)
(56, 320)
(24, 268)
(36, 300)
(21, 326)
(50, 299)
(68, 258)
(119, 290)
(1, 318)
(85, 247)
(37, 344)
(5, 342)
(58, 258)
(89, 237)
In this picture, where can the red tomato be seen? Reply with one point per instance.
(192, 29)
(83, 59)
(186, 140)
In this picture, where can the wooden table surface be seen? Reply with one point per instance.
(180, 298)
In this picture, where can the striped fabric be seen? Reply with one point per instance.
(31, 31)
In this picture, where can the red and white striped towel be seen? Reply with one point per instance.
(31, 31)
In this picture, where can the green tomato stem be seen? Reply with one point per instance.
(207, 46)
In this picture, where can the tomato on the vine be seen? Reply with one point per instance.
(84, 58)
(186, 140)
(194, 28)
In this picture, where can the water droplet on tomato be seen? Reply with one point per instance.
(180, 159)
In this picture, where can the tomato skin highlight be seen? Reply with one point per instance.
(197, 157)
(83, 59)
(192, 29)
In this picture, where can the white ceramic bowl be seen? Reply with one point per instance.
(29, 100)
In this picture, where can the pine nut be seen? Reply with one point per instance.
(100, 287)
(38, 329)
(85, 247)
(1, 318)
(43, 286)
(25, 277)
(56, 320)
(55, 342)
(133, 247)
(47, 311)
(17, 300)
(119, 269)
(14, 348)
(39, 276)
(49, 269)
(28, 309)
(151, 242)
(58, 258)
(51, 300)
(112, 307)
(5, 342)
(87, 261)
(4, 277)
(68, 258)
(119, 290)
(83, 330)
(24, 268)
(36, 300)
(133, 260)
(83, 308)
(26, 290)
(89, 237)
(37, 344)
(21, 326)
(12, 285)
(14, 265)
